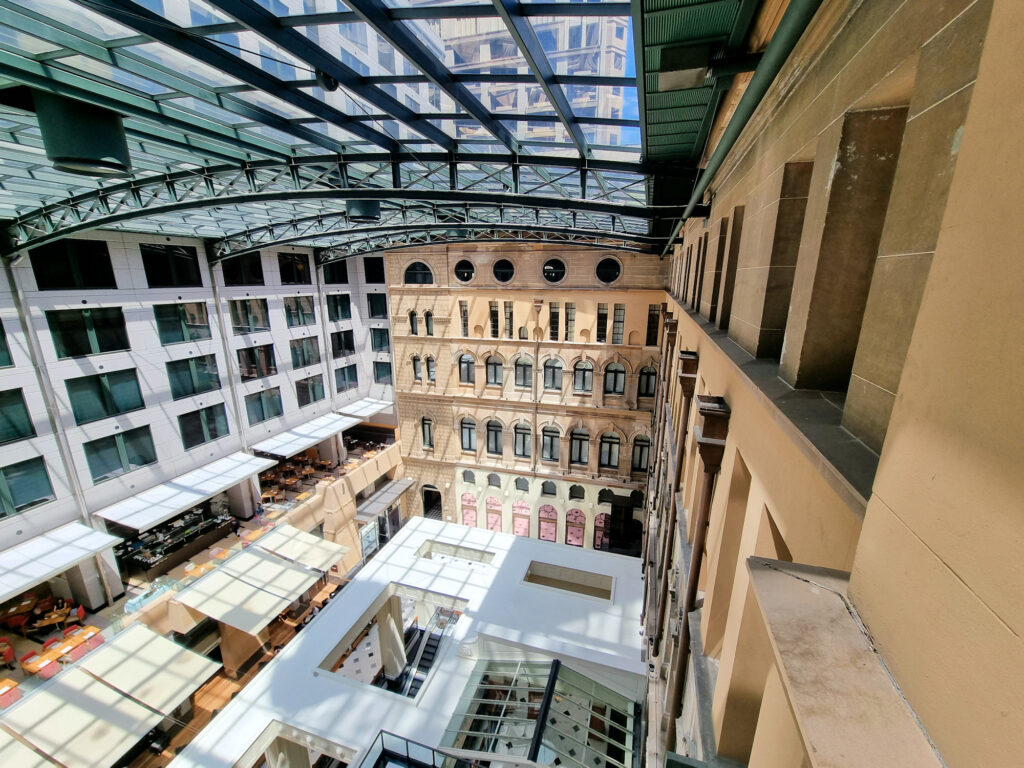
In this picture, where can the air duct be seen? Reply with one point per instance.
(363, 211)
(81, 138)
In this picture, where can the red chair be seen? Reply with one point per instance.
(78, 652)
(50, 642)
(8, 655)
(95, 641)
(17, 623)
(71, 630)
(49, 670)
(78, 613)
(9, 697)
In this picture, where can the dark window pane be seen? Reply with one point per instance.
(336, 273)
(15, 423)
(503, 270)
(249, 316)
(343, 344)
(294, 269)
(382, 373)
(112, 456)
(339, 307)
(309, 390)
(176, 323)
(72, 265)
(5, 350)
(193, 376)
(346, 378)
(418, 273)
(246, 269)
(298, 311)
(378, 305)
(24, 485)
(79, 332)
(171, 266)
(261, 406)
(373, 269)
(256, 362)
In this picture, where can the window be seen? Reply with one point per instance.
(493, 307)
(309, 390)
(414, 326)
(114, 455)
(298, 311)
(523, 333)
(641, 454)
(80, 332)
(547, 488)
(339, 307)
(107, 394)
(508, 319)
(464, 316)
(553, 270)
(608, 270)
(493, 481)
(468, 430)
(653, 321)
(343, 344)
(553, 309)
(583, 377)
(256, 362)
(464, 270)
(373, 269)
(377, 303)
(522, 441)
(69, 265)
(618, 323)
(570, 320)
(553, 375)
(249, 316)
(189, 377)
(171, 266)
(261, 406)
(493, 372)
(427, 427)
(382, 373)
(431, 370)
(418, 273)
(467, 370)
(645, 386)
(577, 492)
(579, 447)
(176, 323)
(609, 453)
(246, 269)
(417, 368)
(15, 423)
(522, 484)
(305, 352)
(615, 379)
(428, 323)
(503, 270)
(345, 378)
(5, 351)
(602, 324)
(294, 269)
(203, 426)
(494, 438)
(549, 444)
(24, 485)
(524, 373)
(336, 273)
(380, 340)
(468, 477)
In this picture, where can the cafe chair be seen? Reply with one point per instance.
(49, 670)
(51, 642)
(78, 652)
(8, 655)
(71, 630)
(18, 623)
(76, 615)
(9, 697)
(45, 605)
(95, 641)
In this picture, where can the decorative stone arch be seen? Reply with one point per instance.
(584, 357)
(552, 356)
(613, 427)
(547, 523)
(409, 262)
(495, 417)
(518, 356)
(464, 415)
(617, 357)
(493, 353)
(640, 430)
(575, 527)
(550, 424)
(521, 518)
(457, 355)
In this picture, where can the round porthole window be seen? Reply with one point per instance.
(554, 270)
(503, 270)
(464, 270)
(608, 270)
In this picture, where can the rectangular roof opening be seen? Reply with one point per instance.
(569, 579)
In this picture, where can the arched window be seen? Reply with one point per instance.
(494, 371)
(577, 492)
(575, 525)
(524, 372)
(641, 454)
(418, 273)
(547, 523)
(428, 321)
(493, 480)
(609, 455)
(645, 386)
(414, 325)
(494, 437)
(427, 426)
(549, 444)
(520, 518)
(469, 510)
(523, 333)
(600, 526)
(636, 498)
(522, 484)
(547, 488)
(493, 514)
(607, 496)
(431, 370)
(522, 441)
(615, 379)
(468, 435)
(417, 368)
(467, 369)
(579, 447)
(583, 377)
(468, 476)
(553, 375)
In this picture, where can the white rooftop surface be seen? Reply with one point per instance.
(365, 408)
(34, 561)
(270, 572)
(162, 502)
(298, 439)
(600, 638)
(150, 668)
(301, 547)
(79, 721)
(14, 754)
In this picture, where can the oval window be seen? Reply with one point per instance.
(503, 270)
(464, 270)
(554, 270)
(608, 270)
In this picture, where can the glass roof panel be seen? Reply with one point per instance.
(111, 74)
(471, 46)
(182, 64)
(20, 41)
(615, 101)
(431, 3)
(271, 103)
(208, 110)
(531, 131)
(587, 45)
(264, 54)
(612, 135)
(512, 98)
(360, 48)
(85, 21)
(297, 7)
(186, 13)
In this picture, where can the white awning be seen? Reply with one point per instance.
(365, 408)
(300, 438)
(270, 572)
(161, 503)
(375, 505)
(301, 547)
(38, 559)
(150, 668)
(79, 721)
(13, 752)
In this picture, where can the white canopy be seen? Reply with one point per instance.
(150, 668)
(14, 753)
(300, 438)
(383, 499)
(270, 572)
(34, 561)
(301, 547)
(365, 408)
(152, 507)
(79, 721)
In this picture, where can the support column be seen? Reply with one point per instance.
(392, 639)
(283, 753)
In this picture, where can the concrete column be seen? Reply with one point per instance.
(729, 269)
(853, 174)
(713, 270)
(392, 640)
(283, 753)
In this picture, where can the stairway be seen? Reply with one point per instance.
(429, 645)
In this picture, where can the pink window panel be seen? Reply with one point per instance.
(600, 540)
(494, 521)
(468, 500)
(493, 504)
(575, 524)
(520, 508)
(521, 525)
(469, 516)
(548, 528)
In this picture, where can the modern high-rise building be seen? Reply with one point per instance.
(438, 384)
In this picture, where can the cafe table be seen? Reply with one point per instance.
(51, 619)
(24, 606)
